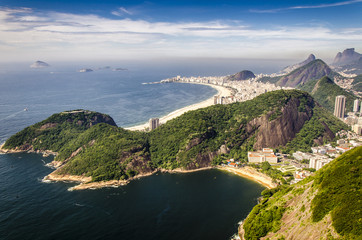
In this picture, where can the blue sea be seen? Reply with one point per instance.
(200, 205)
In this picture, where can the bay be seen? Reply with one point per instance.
(200, 205)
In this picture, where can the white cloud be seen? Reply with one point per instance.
(121, 12)
(326, 5)
(59, 35)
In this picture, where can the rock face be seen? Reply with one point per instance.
(348, 56)
(281, 130)
(291, 68)
(243, 75)
(312, 71)
(39, 64)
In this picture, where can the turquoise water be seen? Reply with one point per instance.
(200, 205)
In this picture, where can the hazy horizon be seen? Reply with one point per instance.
(134, 30)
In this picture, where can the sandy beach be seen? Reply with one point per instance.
(252, 174)
(223, 91)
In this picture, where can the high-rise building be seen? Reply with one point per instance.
(154, 123)
(340, 106)
(355, 105)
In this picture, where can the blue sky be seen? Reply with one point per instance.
(111, 30)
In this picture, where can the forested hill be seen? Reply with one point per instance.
(324, 206)
(325, 91)
(288, 120)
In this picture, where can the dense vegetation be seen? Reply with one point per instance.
(189, 140)
(196, 139)
(324, 91)
(357, 83)
(340, 193)
(338, 188)
(57, 130)
(265, 217)
(313, 130)
(107, 152)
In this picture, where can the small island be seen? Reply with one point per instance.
(39, 64)
(83, 70)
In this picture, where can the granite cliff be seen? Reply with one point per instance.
(348, 56)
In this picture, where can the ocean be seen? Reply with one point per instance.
(200, 205)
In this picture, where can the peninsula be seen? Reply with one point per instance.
(92, 150)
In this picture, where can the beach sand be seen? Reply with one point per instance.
(252, 174)
(223, 91)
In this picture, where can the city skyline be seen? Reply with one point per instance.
(79, 30)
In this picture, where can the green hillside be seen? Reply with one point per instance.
(327, 205)
(324, 91)
(88, 146)
(357, 83)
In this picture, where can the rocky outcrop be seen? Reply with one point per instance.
(280, 130)
(348, 56)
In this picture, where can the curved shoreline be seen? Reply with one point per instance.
(252, 174)
(86, 182)
(206, 103)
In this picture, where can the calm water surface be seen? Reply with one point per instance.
(200, 205)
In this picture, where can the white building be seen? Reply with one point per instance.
(301, 155)
(154, 123)
(339, 106)
(319, 161)
(266, 155)
(356, 105)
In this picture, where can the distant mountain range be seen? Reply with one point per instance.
(291, 68)
(317, 78)
(349, 61)
(348, 56)
(315, 69)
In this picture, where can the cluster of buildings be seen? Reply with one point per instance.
(244, 90)
(352, 118)
(232, 163)
(224, 99)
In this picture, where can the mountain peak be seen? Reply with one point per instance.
(349, 55)
(311, 57)
(291, 68)
(315, 69)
